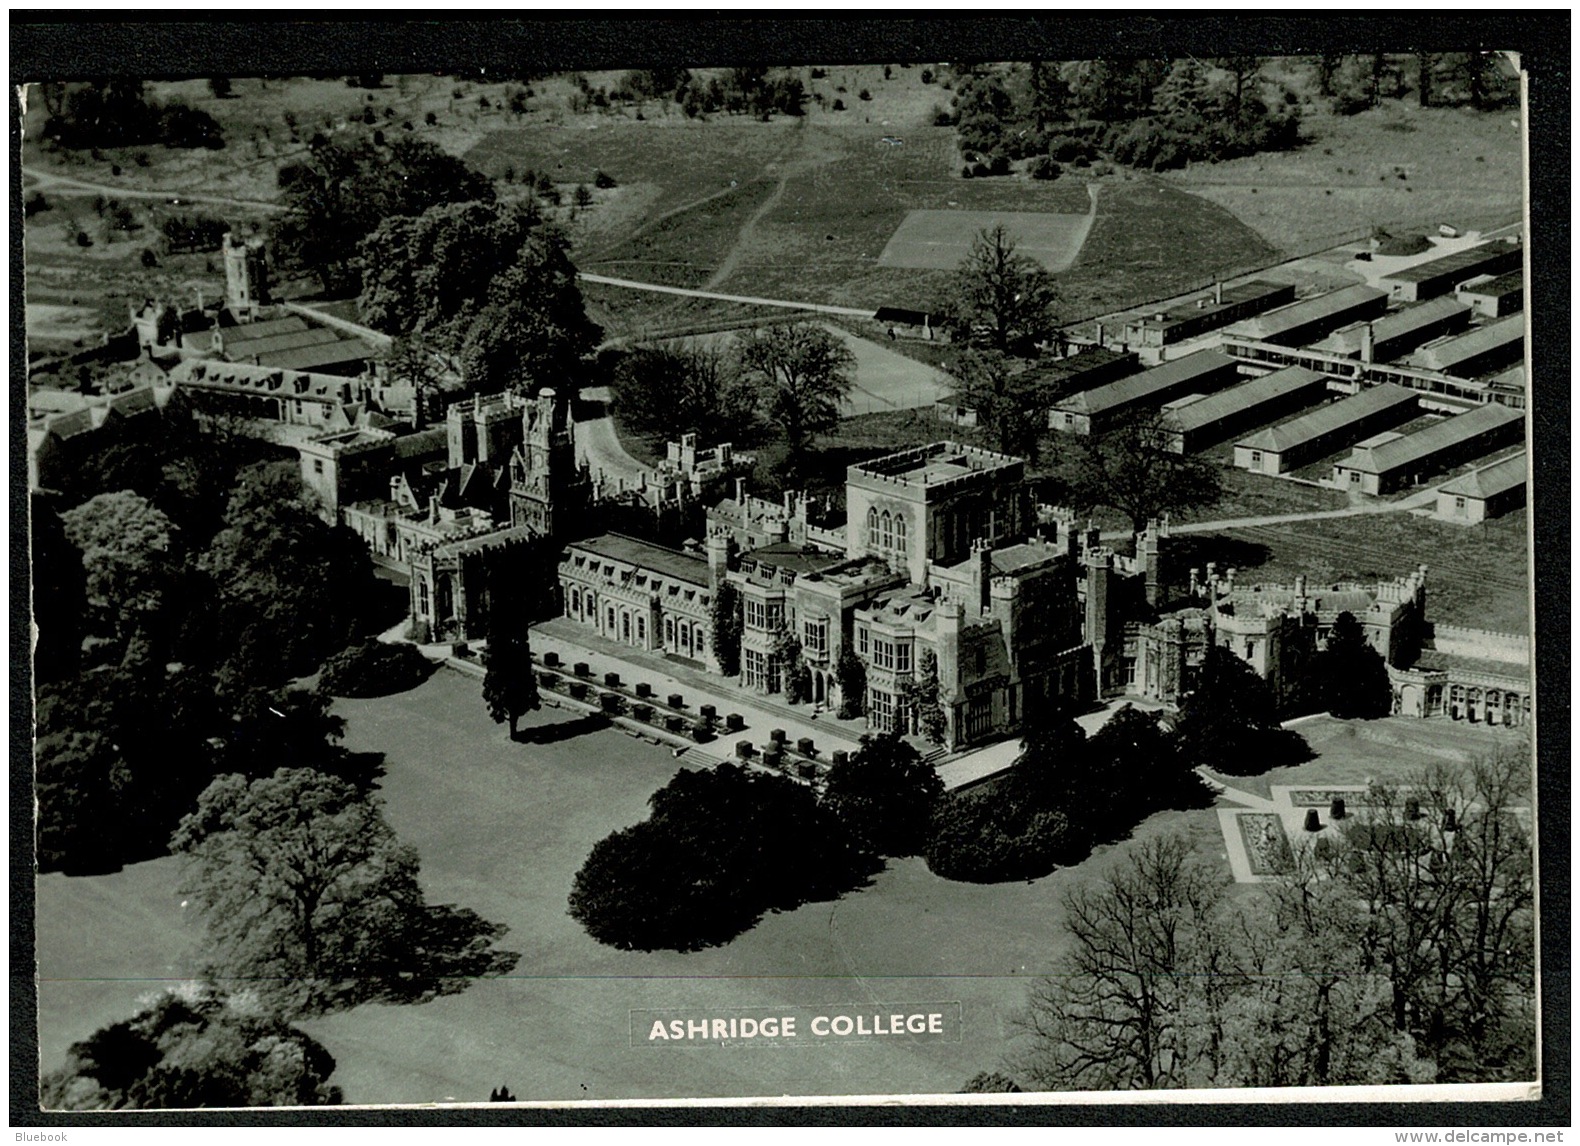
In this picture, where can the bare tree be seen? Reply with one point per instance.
(1131, 469)
(1007, 293)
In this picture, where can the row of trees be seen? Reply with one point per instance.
(119, 113)
(1398, 950)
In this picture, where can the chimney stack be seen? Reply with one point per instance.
(1368, 348)
(1217, 293)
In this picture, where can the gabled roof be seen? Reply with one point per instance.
(1324, 421)
(1459, 263)
(1446, 356)
(1139, 387)
(1432, 440)
(1396, 325)
(1269, 388)
(1298, 314)
(1508, 284)
(1489, 481)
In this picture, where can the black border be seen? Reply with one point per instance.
(56, 46)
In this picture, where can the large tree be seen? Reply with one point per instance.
(305, 892)
(1349, 678)
(1009, 400)
(884, 794)
(802, 373)
(489, 285)
(695, 387)
(129, 554)
(1003, 298)
(341, 192)
(1131, 469)
(721, 847)
(193, 1048)
(1229, 720)
(510, 687)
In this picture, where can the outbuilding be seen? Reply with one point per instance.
(1440, 276)
(1494, 296)
(1485, 350)
(1226, 304)
(1490, 491)
(1096, 410)
(1213, 418)
(1400, 332)
(1308, 320)
(1381, 466)
(1300, 441)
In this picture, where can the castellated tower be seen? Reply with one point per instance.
(549, 491)
(246, 276)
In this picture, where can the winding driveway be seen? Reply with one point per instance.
(598, 444)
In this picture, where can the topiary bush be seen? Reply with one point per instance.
(374, 669)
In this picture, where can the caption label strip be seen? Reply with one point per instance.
(797, 1026)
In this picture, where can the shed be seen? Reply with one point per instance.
(1484, 350)
(1209, 312)
(1392, 465)
(1218, 416)
(1441, 275)
(1304, 322)
(1400, 332)
(1292, 444)
(1093, 411)
(1494, 296)
(1490, 491)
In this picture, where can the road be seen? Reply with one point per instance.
(597, 443)
(1418, 500)
(750, 300)
(65, 185)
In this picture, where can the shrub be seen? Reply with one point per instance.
(149, 259)
(602, 180)
(839, 105)
(972, 840)
(1044, 167)
(927, 75)
(374, 668)
(864, 94)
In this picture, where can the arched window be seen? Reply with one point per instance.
(611, 629)
(899, 533)
(576, 602)
(872, 528)
(641, 629)
(888, 531)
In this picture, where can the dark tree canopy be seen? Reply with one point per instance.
(374, 668)
(802, 374)
(304, 889)
(341, 192)
(851, 672)
(193, 1048)
(720, 848)
(1229, 721)
(1348, 678)
(1004, 299)
(884, 795)
(489, 285)
(1130, 468)
(1010, 401)
(510, 687)
(724, 614)
(693, 388)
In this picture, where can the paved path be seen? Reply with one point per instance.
(598, 443)
(750, 300)
(1416, 500)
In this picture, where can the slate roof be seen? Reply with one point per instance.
(1503, 285)
(1425, 443)
(1489, 481)
(645, 555)
(1215, 408)
(1462, 263)
(1140, 387)
(1445, 356)
(1269, 326)
(1396, 325)
(1328, 419)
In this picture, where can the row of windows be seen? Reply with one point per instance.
(892, 655)
(814, 637)
(759, 671)
(885, 531)
(764, 615)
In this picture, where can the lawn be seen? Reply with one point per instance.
(941, 240)
(1459, 166)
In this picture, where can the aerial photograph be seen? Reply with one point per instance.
(795, 582)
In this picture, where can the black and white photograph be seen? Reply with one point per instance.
(983, 581)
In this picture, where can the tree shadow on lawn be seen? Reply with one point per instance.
(563, 730)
